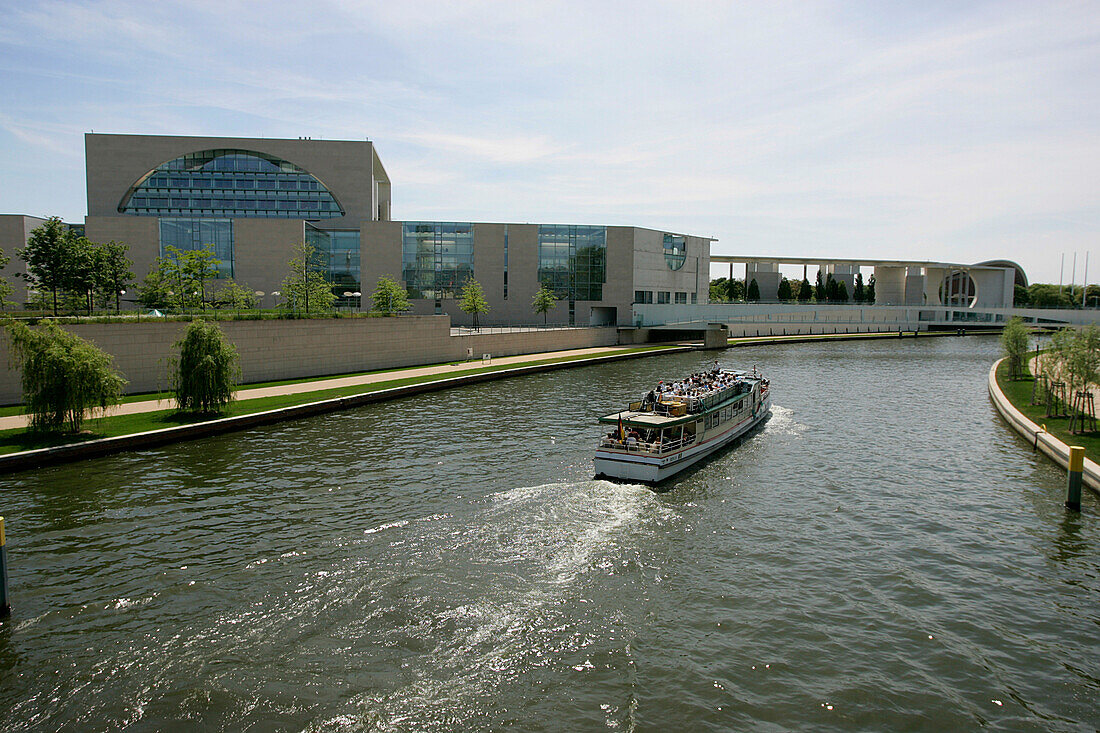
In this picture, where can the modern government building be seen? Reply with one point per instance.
(254, 199)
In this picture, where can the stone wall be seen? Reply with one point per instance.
(289, 349)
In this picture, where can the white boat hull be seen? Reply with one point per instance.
(625, 465)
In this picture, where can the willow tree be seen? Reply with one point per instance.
(205, 373)
(63, 376)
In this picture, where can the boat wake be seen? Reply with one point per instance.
(469, 605)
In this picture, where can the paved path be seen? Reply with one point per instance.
(131, 408)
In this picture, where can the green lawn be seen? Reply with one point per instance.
(1018, 392)
(19, 439)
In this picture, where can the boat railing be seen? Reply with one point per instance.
(656, 448)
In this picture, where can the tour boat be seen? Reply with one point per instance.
(677, 425)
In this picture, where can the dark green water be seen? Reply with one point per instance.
(884, 555)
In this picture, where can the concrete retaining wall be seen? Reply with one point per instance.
(1055, 449)
(290, 349)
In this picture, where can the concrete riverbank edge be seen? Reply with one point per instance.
(40, 457)
(1055, 449)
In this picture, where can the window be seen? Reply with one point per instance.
(338, 252)
(437, 258)
(695, 298)
(662, 297)
(194, 174)
(681, 298)
(675, 251)
(189, 234)
(573, 260)
(643, 296)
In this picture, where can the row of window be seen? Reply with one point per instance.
(189, 234)
(244, 204)
(730, 412)
(338, 254)
(230, 160)
(261, 182)
(198, 184)
(664, 296)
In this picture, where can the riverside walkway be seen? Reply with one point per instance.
(327, 383)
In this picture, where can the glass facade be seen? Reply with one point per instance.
(188, 234)
(675, 251)
(573, 260)
(437, 258)
(338, 253)
(230, 183)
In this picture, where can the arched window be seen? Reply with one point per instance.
(230, 184)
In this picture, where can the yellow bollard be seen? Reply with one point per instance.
(1076, 468)
(5, 606)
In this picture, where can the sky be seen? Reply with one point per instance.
(928, 130)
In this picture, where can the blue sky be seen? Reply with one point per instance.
(923, 130)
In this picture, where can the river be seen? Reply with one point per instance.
(884, 554)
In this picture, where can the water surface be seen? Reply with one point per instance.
(884, 554)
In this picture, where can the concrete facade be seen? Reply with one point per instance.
(899, 282)
(289, 349)
(14, 231)
(505, 256)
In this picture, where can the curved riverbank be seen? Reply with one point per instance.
(142, 429)
(1040, 439)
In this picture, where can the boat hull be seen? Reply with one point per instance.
(640, 467)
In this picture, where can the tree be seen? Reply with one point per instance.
(869, 296)
(205, 373)
(831, 290)
(80, 270)
(306, 288)
(719, 291)
(233, 295)
(1014, 345)
(784, 292)
(47, 257)
(113, 273)
(736, 290)
(389, 297)
(1077, 356)
(857, 291)
(5, 286)
(153, 290)
(805, 292)
(62, 376)
(819, 289)
(543, 301)
(198, 266)
(841, 291)
(754, 292)
(472, 300)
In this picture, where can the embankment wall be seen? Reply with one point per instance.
(291, 349)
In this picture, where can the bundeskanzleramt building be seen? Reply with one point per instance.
(253, 199)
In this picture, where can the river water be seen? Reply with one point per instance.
(885, 554)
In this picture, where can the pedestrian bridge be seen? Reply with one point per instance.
(786, 319)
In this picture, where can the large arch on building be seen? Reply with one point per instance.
(230, 183)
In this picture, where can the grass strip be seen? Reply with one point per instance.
(12, 410)
(21, 439)
(1018, 392)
